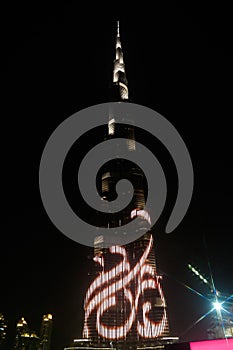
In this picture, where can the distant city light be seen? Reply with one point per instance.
(217, 305)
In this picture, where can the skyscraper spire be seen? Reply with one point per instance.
(119, 76)
(118, 28)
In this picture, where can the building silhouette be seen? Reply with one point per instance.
(3, 331)
(21, 329)
(46, 332)
(25, 338)
(124, 306)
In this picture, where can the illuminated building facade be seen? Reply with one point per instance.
(21, 329)
(3, 329)
(124, 304)
(29, 341)
(25, 339)
(46, 332)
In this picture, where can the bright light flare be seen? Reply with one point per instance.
(217, 306)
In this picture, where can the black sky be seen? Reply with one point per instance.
(58, 60)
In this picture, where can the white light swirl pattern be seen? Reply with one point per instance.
(101, 296)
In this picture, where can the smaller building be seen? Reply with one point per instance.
(3, 329)
(25, 338)
(21, 328)
(29, 341)
(46, 332)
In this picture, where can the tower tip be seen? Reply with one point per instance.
(118, 28)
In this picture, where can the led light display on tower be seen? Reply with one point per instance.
(126, 299)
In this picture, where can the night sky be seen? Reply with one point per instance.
(59, 60)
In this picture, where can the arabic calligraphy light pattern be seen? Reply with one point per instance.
(118, 300)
